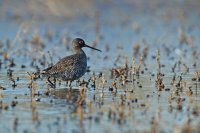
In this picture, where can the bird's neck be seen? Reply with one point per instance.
(78, 51)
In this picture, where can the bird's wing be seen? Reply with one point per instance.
(61, 66)
(45, 70)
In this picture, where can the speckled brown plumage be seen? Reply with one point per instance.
(71, 67)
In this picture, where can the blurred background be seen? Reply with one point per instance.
(103, 23)
(35, 34)
(63, 9)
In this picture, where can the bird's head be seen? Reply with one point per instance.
(79, 43)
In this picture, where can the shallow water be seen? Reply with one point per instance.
(35, 39)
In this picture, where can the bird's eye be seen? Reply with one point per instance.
(81, 42)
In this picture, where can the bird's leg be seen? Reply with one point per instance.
(59, 82)
(78, 82)
(70, 83)
(51, 84)
(54, 81)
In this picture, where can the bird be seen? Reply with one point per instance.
(71, 67)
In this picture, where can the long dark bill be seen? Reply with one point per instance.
(92, 47)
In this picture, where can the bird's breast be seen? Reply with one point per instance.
(79, 67)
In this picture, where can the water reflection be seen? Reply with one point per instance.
(70, 94)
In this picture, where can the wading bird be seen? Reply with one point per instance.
(71, 67)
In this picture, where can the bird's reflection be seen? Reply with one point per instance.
(71, 98)
(70, 94)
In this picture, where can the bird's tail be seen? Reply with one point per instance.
(45, 71)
